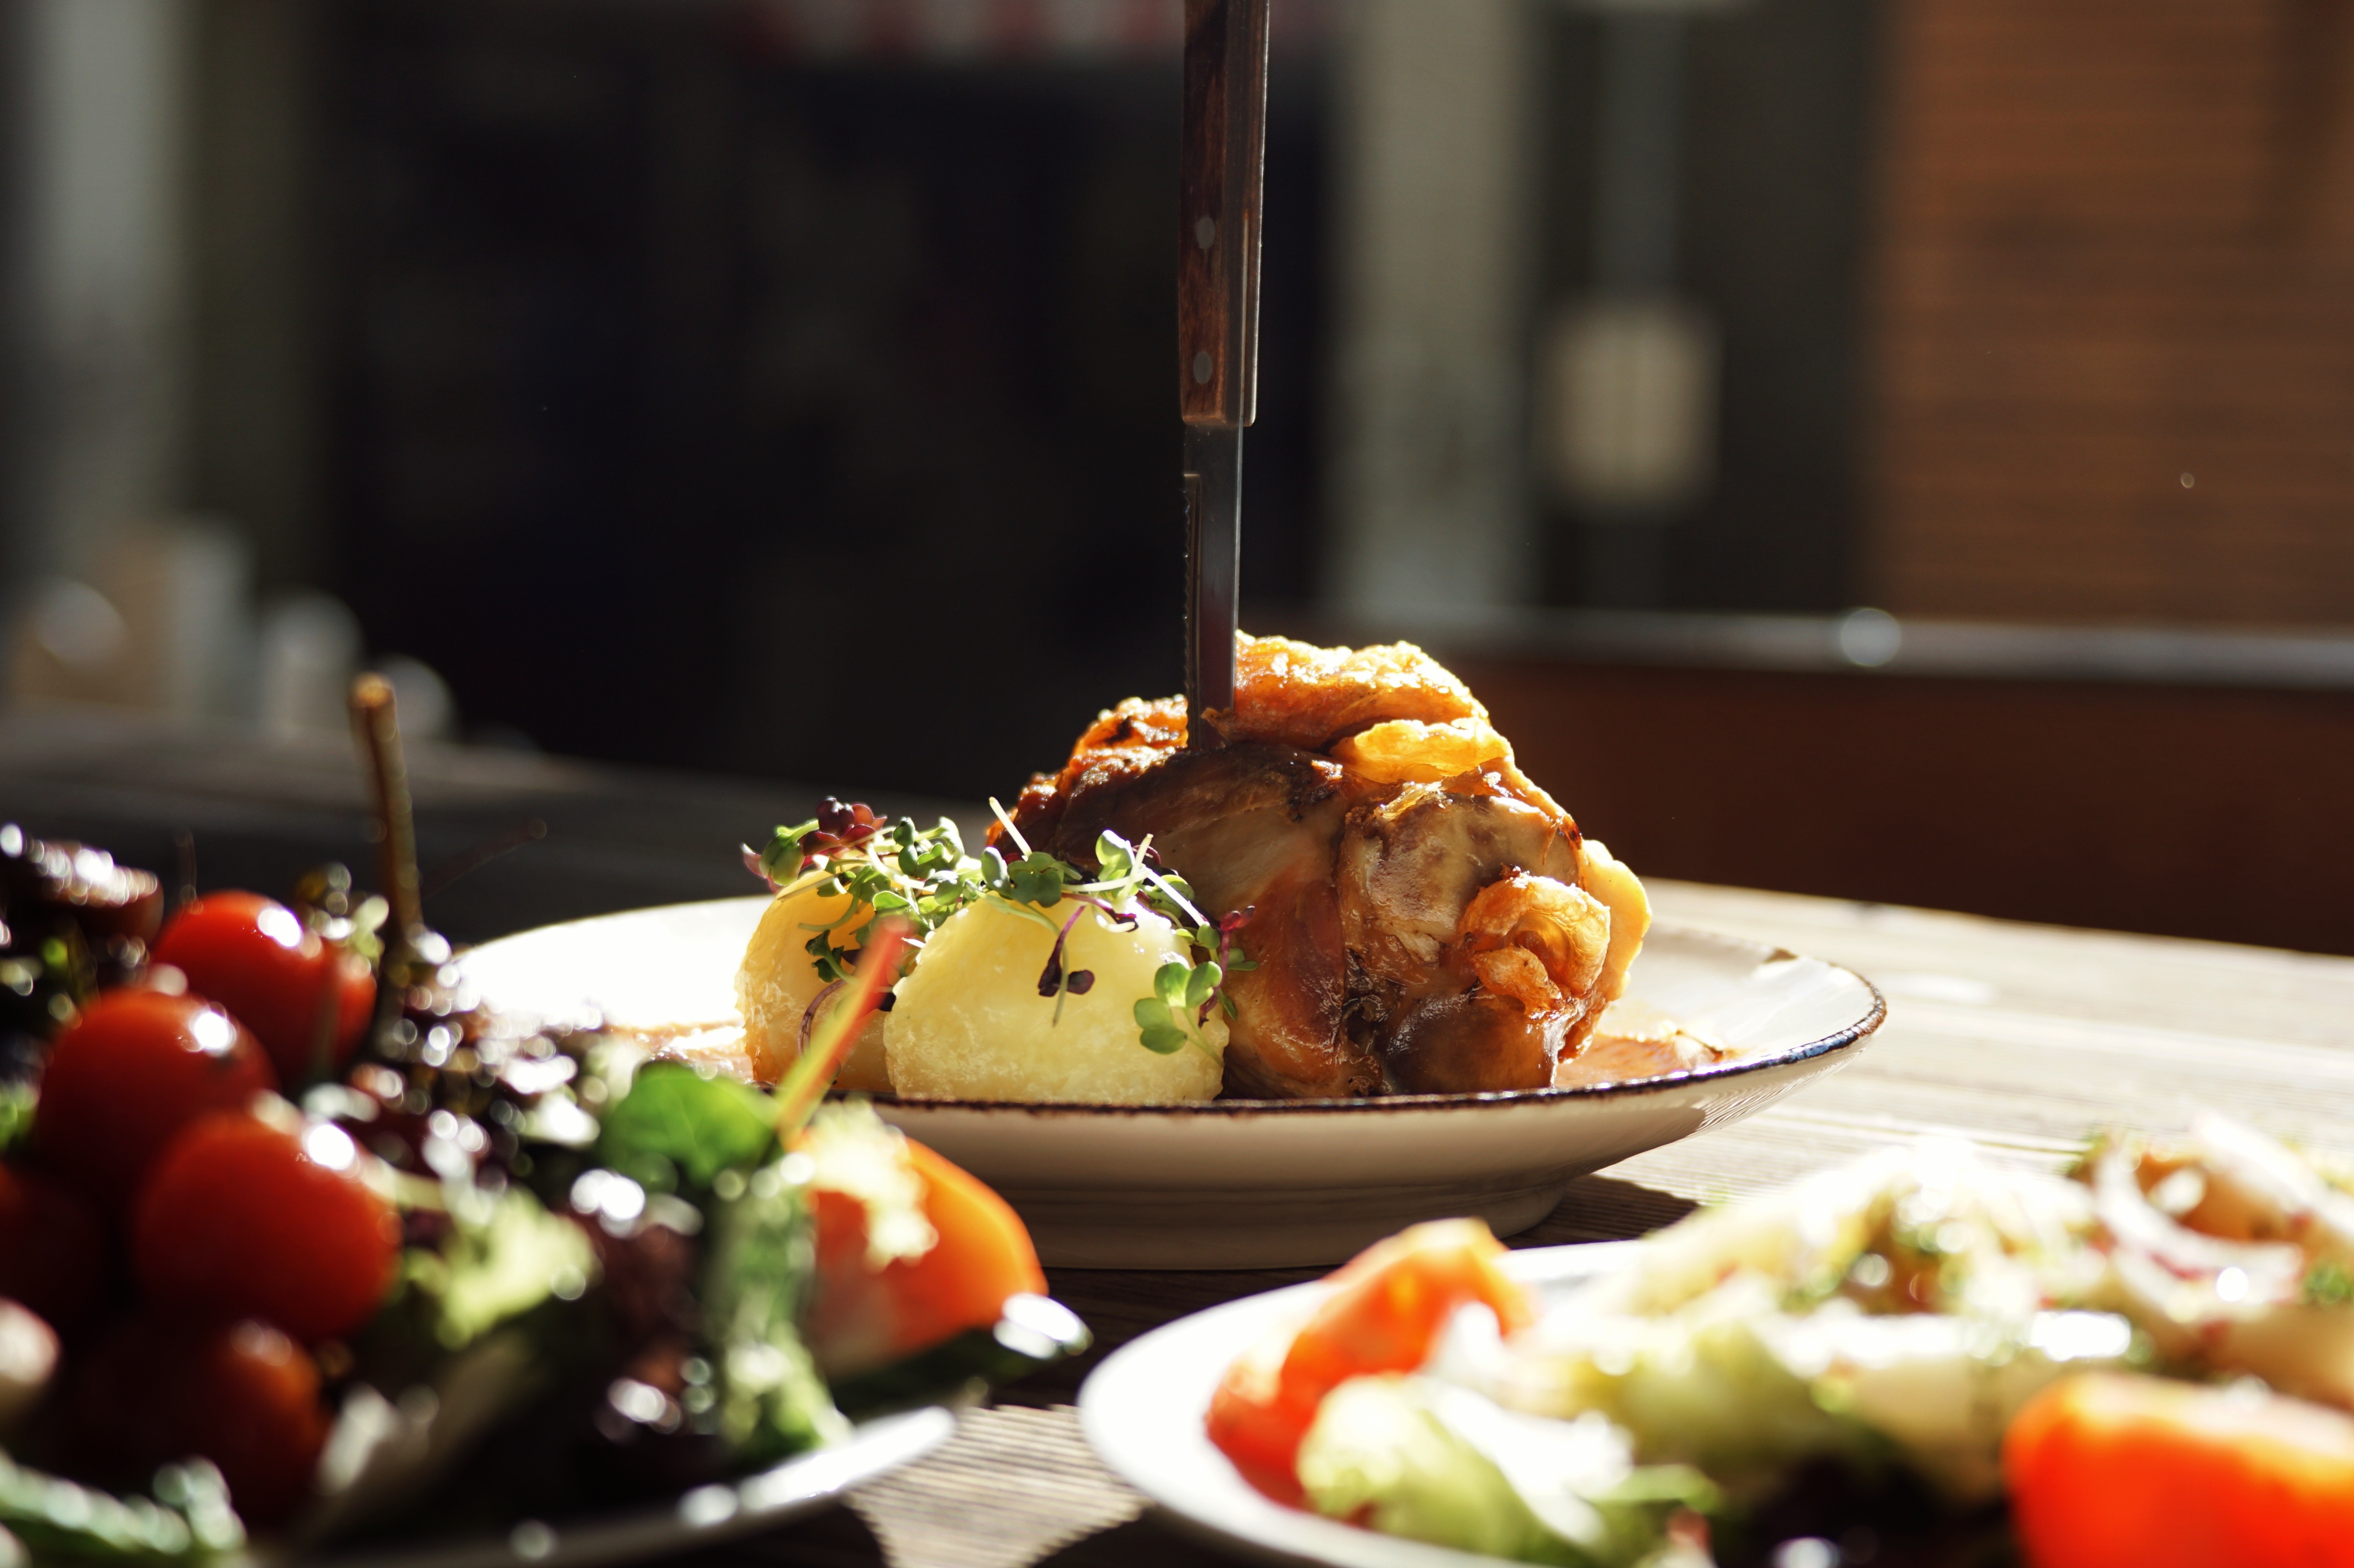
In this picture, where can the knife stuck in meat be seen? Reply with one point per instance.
(1222, 175)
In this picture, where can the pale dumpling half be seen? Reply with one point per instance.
(778, 981)
(969, 1024)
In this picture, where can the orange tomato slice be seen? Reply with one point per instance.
(863, 1319)
(2112, 1471)
(1387, 1308)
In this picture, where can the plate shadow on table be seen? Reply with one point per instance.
(1119, 1305)
(1141, 1542)
(838, 1538)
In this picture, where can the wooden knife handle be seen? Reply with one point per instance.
(1222, 174)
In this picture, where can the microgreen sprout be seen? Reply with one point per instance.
(1172, 1016)
(921, 876)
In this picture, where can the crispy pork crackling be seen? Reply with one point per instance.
(1425, 919)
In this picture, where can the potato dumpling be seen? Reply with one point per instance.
(969, 1024)
(778, 981)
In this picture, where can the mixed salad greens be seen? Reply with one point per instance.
(297, 1244)
(1891, 1353)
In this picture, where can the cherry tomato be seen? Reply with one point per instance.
(133, 1069)
(252, 955)
(239, 1218)
(2109, 1471)
(863, 1319)
(1386, 1311)
(242, 1394)
(52, 1248)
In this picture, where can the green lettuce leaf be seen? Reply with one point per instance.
(762, 1258)
(497, 1266)
(187, 1520)
(1415, 1457)
(674, 1119)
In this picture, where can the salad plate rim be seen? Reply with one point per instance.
(696, 1518)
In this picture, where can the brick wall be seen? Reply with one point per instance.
(2116, 249)
(2178, 812)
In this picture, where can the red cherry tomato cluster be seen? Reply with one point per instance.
(194, 1241)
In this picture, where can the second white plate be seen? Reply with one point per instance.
(1143, 1410)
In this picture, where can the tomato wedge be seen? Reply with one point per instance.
(864, 1319)
(2111, 1471)
(1386, 1311)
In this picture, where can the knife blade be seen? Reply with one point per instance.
(1222, 177)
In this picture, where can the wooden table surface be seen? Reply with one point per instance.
(2022, 1038)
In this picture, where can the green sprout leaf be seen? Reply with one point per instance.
(1038, 879)
(1159, 1030)
(1201, 982)
(781, 861)
(1114, 857)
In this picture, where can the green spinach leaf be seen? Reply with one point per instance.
(675, 1117)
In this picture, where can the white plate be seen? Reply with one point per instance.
(1143, 1409)
(702, 1518)
(1260, 1183)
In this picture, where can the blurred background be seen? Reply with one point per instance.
(1898, 451)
